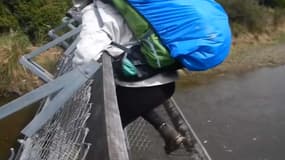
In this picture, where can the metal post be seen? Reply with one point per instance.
(106, 132)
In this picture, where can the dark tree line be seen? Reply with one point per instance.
(273, 3)
(36, 17)
(33, 17)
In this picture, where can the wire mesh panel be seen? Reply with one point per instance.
(88, 126)
(146, 143)
(63, 137)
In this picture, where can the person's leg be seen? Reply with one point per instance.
(171, 137)
(136, 102)
(133, 102)
(154, 118)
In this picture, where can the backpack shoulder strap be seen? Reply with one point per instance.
(97, 13)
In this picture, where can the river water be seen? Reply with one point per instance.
(240, 117)
(11, 127)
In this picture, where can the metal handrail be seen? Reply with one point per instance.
(104, 121)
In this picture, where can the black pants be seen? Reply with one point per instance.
(136, 102)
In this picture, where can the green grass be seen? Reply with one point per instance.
(281, 37)
(12, 76)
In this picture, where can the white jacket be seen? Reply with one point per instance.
(94, 39)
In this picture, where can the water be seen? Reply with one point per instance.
(11, 126)
(240, 117)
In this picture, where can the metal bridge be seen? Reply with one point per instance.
(79, 118)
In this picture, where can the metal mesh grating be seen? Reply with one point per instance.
(63, 137)
(146, 144)
(138, 136)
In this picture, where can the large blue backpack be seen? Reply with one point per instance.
(195, 32)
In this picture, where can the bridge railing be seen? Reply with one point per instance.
(108, 138)
(79, 116)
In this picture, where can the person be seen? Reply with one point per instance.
(135, 98)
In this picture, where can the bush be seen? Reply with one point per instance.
(13, 78)
(274, 3)
(279, 16)
(248, 14)
(37, 17)
(7, 20)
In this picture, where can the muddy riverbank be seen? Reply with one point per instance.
(243, 58)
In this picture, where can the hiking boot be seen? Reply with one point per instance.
(172, 138)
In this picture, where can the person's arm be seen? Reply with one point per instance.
(94, 39)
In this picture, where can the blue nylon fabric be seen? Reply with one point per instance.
(196, 32)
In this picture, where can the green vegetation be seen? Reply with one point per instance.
(25, 23)
(274, 3)
(36, 17)
(12, 74)
(7, 20)
(13, 77)
(253, 16)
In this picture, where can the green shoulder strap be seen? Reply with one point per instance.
(156, 54)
